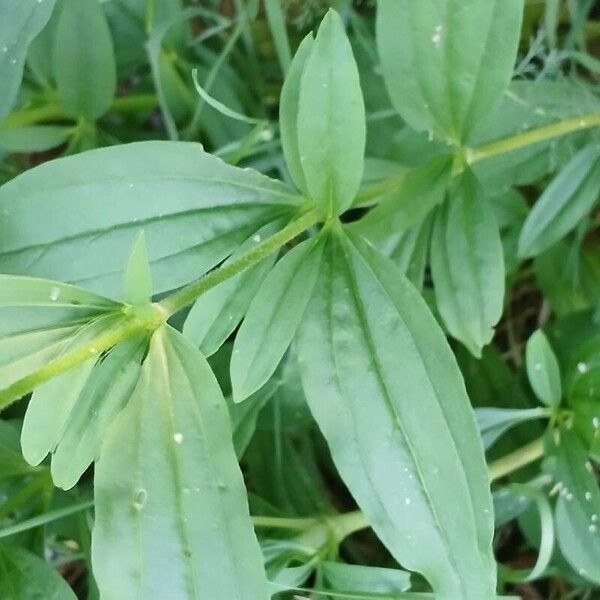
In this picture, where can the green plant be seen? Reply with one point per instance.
(172, 313)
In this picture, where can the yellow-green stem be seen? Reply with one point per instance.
(191, 292)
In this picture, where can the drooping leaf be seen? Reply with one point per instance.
(20, 22)
(216, 314)
(543, 370)
(468, 265)
(105, 392)
(494, 422)
(331, 120)
(564, 203)
(24, 576)
(273, 317)
(168, 474)
(375, 368)
(84, 59)
(446, 63)
(423, 189)
(52, 403)
(75, 219)
(578, 508)
(289, 106)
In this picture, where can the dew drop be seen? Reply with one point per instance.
(537, 366)
(569, 497)
(54, 294)
(588, 496)
(140, 498)
(594, 518)
(407, 501)
(582, 572)
(593, 528)
(178, 438)
(5, 49)
(256, 238)
(582, 367)
(13, 61)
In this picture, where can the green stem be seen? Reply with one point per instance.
(129, 327)
(517, 459)
(503, 146)
(174, 303)
(534, 136)
(283, 523)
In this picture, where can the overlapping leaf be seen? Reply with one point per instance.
(75, 219)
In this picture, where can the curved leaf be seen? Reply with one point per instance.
(375, 368)
(446, 63)
(331, 120)
(565, 202)
(75, 219)
(467, 264)
(172, 518)
(20, 22)
(84, 60)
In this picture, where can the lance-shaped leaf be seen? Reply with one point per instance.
(289, 106)
(172, 518)
(467, 265)
(273, 317)
(494, 422)
(75, 219)
(20, 22)
(84, 59)
(446, 63)
(38, 318)
(216, 314)
(376, 367)
(24, 576)
(578, 507)
(331, 120)
(543, 370)
(564, 203)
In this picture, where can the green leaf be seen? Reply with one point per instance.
(331, 120)
(356, 578)
(467, 265)
(494, 422)
(289, 106)
(20, 22)
(543, 370)
(84, 59)
(564, 203)
(36, 138)
(578, 508)
(273, 317)
(216, 314)
(422, 190)
(52, 403)
(24, 576)
(172, 518)
(138, 278)
(376, 368)
(446, 63)
(105, 392)
(75, 219)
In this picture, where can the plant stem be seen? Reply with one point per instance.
(534, 136)
(517, 459)
(175, 302)
(283, 523)
(503, 146)
(127, 328)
